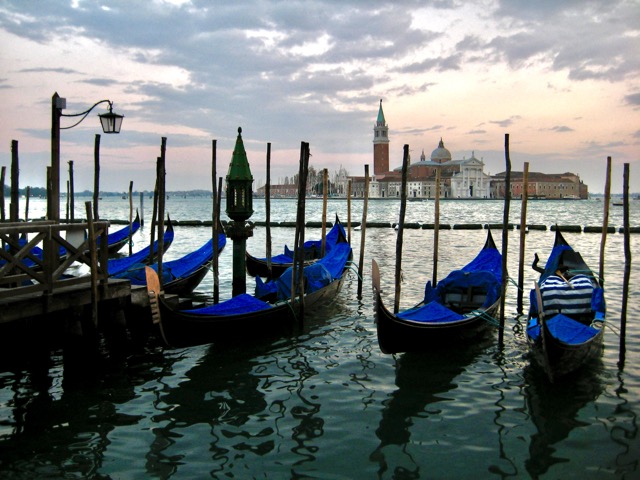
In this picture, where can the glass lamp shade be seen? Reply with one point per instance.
(111, 122)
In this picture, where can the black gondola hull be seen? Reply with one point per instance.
(396, 335)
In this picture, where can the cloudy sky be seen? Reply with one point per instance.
(562, 78)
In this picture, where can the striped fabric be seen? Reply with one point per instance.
(560, 297)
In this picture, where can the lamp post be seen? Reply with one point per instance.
(239, 209)
(111, 123)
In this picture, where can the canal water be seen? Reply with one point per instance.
(325, 402)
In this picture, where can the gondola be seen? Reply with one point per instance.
(120, 238)
(567, 313)
(243, 316)
(142, 257)
(180, 276)
(459, 307)
(257, 267)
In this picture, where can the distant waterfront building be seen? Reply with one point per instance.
(463, 178)
(541, 185)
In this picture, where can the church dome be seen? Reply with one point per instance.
(441, 154)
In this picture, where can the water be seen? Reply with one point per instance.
(325, 402)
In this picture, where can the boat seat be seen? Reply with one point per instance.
(571, 297)
(470, 299)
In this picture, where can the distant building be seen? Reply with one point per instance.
(541, 185)
(459, 178)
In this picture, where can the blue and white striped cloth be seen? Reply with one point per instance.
(571, 298)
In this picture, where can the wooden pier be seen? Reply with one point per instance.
(41, 305)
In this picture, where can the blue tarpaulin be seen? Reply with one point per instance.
(316, 276)
(431, 312)
(243, 303)
(483, 272)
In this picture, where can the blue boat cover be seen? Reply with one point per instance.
(484, 271)
(118, 265)
(312, 248)
(123, 233)
(565, 329)
(243, 303)
(317, 275)
(432, 312)
(175, 269)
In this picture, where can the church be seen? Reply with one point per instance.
(464, 179)
(459, 178)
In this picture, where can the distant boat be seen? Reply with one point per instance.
(618, 203)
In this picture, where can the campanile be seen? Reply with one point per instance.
(380, 144)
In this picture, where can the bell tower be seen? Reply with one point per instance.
(380, 144)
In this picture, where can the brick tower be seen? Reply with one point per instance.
(380, 144)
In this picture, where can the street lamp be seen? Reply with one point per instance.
(239, 209)
(111, 123)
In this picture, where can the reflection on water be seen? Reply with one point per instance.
(554, 410)
(324, 402)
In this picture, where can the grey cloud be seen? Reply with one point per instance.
(632, 99)
(561, 129)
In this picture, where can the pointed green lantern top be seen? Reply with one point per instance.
(239, 183)
(380, 122)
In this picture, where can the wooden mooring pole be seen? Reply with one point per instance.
(436, 227)
(3, 173)
(400, 235)
(627, 263)
(523, 231)
(297, 279)
(71, 199)
(161, 201)
(363, 230)
(349, 211)
(15, 182)
(267, 205)
(215, 220)
(26, 204)
(96, 177)
(154, 212)
(94, 265)
(605, 219)
(325, 197)
(131, 217)
(505, 235)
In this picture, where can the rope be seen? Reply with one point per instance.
(487, 318)
(515, 284)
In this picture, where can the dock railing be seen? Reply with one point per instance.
(25, 270)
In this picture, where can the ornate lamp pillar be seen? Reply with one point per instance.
(239, 209)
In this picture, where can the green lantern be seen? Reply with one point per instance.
(239, 184)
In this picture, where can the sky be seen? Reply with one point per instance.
(561, 78)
